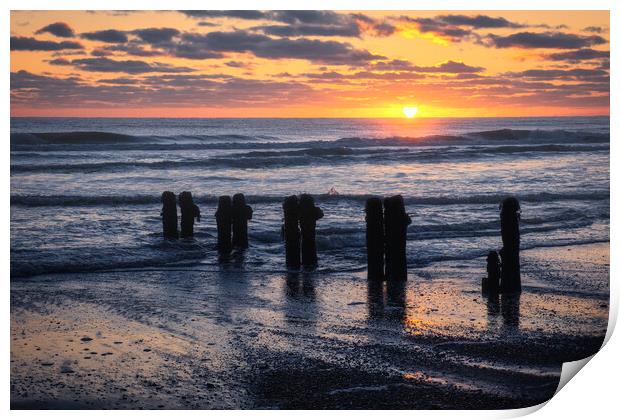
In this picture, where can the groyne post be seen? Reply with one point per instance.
(490, 284)
(396, 221)
(189, 212)
(375, 238)
(223, 218)
(241, 213)
(169, 215)
(510, 213)
(291, 232)
(308, 215)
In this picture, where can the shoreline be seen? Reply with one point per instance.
(229, 339)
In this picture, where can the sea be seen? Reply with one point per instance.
(86, 192)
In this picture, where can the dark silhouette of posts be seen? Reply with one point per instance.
(291, 232)
(189, 212)
(169, 215)
(241, 213)
(223, 218)
(308, 215)
(510, 212)
(375, 238)
(490, 284)
(396, 221)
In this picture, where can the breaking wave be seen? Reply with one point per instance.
(116, 200)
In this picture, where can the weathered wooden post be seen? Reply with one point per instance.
(223, 218)
(490, 284)
(291, 232)
(375, 238)
(189, 212)
(396, 221)
(241, 213)
(169, 215)
(510, 212)
(308, 215)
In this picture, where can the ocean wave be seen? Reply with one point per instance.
(140, 199)
(303, 157)
(31, 262)
(78, 140)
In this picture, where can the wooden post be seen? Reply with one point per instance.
(375, 238)
(291, 232)
(308, 215)
(510, 212)
(241, 213)
(396, 222)
(490, 284)
(223, 218)
(189, 212)
(169, 215)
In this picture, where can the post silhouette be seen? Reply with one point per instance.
(375, 238)
(241, 213)
(396, 221)
(490, 284)
(510, 213)
(291, 233)
(223, 218)
(169, 215)
(308, 215)
(189, 212)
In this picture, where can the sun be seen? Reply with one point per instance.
(410, 111)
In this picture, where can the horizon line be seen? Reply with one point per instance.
(309, 118)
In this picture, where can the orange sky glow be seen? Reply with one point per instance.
(367, 64)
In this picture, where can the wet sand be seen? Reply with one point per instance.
(186, 338)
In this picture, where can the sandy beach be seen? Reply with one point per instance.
(184, 338)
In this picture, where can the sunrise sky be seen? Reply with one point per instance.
(309, 64)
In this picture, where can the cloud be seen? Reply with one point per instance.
(176, 90)
(594, 29)
(59, 29)
(478, 21)
(438, 28)
(457, 28)
(304, 22)
(578, 55)
(349, 30)
(106, 65)
(329, 52)
(111, 36)
(454, 67)
(19, 43)
(131, 48)
(156, 35)
(560, 74)
(559, 40)
(449, 67)
(214, 44)
(236, 64)
(239, 14)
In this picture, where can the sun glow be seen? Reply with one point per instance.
(410, 111)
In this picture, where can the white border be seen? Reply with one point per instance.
(593, 395)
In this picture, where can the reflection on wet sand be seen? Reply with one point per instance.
(508, 305)
(392, 297)
(511, 305)
(376, 299)
(300, 286)
(300, 303)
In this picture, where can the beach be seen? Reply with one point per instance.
(106, 313)
(230, 338)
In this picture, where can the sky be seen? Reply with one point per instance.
(362, 64)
